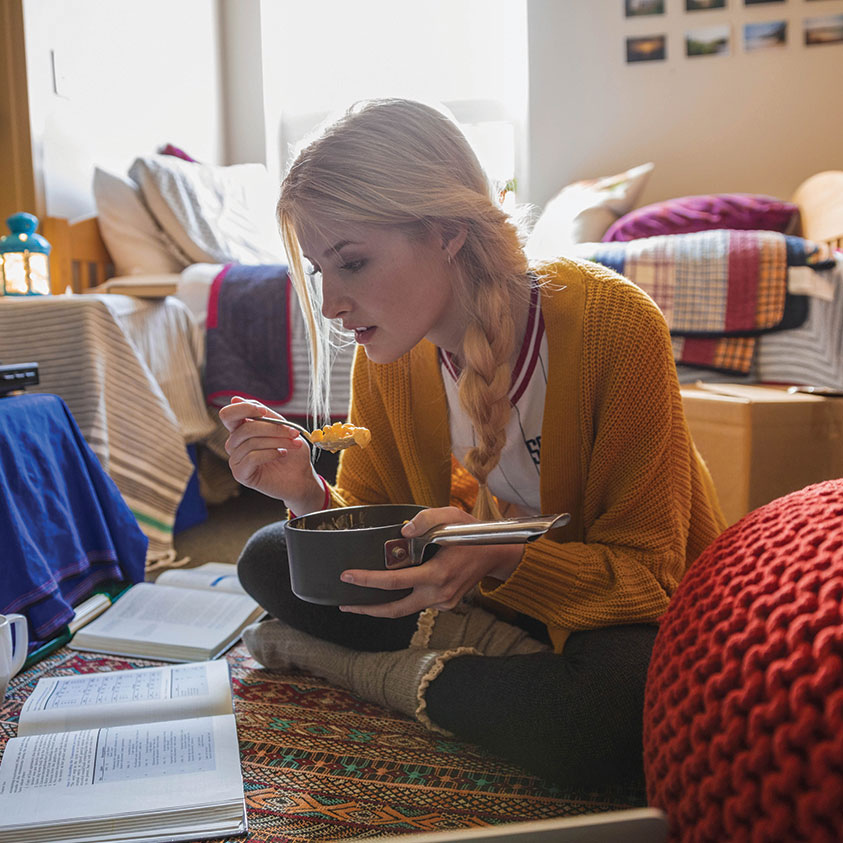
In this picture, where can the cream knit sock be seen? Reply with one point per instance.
(471, 626)
(396, 680)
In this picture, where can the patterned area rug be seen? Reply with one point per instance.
(321, 764)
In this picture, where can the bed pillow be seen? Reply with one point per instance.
(581, 212)
(740, 211)
(215, 214)
(135, 241)
(178, 152)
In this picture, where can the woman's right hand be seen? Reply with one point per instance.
(270, 458)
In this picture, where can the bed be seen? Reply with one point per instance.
(749, 284)
(171, 237)
(790, 332)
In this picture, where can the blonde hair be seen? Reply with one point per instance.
(402, 163)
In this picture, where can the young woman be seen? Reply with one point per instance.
(490, 388)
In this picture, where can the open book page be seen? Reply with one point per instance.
(144, 695)
(170, 769)
(213, 575)
(167, 622)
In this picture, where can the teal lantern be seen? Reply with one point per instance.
(24, 259)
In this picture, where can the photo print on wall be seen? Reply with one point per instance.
(703, 5)
(824, 30)
(638, 8)
(708, 41)
(761, 36)
(646, 48)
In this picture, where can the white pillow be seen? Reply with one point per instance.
(214, 214)
(135, 241)
(583, 211)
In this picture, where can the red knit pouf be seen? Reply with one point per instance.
(743, 711)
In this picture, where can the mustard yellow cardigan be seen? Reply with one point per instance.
(615, 453)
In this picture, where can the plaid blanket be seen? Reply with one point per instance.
(717, 289)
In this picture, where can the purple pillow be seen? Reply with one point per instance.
(176, 152)
(744, 211)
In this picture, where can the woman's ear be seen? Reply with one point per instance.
(452, 237)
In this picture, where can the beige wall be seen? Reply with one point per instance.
(754, 122)
(108, 81)
(214, 77)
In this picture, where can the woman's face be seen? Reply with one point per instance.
(391, 289)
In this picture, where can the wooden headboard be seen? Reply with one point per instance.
(820, 200)
(79, 258)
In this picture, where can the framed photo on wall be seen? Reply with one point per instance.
(702, 5)
(638, 8)
(761, 36)
(824, 30)
(708, 41)
(646, 48)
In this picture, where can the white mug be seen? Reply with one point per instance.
(11, 655)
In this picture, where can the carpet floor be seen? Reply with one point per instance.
(320, 764)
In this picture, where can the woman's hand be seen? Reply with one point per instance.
(270, 458)
(441, 582)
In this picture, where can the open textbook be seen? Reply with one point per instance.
(188, 614)
(148, 754)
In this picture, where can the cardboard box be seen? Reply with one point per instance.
(762, 442)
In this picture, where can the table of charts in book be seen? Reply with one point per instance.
(147, 754)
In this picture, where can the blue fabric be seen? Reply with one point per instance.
(192, 509)
(64, 527)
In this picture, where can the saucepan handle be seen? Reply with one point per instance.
(401, 553)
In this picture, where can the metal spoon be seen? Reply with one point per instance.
(324, 444)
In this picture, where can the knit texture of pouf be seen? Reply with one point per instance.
(743, 712)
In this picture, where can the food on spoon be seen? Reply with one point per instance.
(339, 435)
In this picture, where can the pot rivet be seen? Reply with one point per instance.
(399, 553)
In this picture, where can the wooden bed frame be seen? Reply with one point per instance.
(80, 259)
(820, 200)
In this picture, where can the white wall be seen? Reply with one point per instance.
(221, 78)
(131, 76)
(752, 122)
(318, 58)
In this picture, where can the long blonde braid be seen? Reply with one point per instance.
(484, 392)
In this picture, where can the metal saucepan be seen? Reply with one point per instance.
(322, 545)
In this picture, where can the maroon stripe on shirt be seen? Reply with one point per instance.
(527, 356)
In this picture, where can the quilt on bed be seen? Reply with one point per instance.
(719, 290)
(248, 347)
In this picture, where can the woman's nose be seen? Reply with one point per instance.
(333, 303)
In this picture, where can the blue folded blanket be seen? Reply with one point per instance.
(65, 530)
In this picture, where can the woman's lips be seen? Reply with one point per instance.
(363, 335)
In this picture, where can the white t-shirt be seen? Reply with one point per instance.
(515, 479)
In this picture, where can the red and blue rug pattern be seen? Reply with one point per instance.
(321, 764)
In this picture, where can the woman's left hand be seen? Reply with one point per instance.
(442, 580)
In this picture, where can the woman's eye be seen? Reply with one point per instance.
(353, 266)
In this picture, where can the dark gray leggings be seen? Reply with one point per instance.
(574, 719)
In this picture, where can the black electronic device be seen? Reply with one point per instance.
(16, 376)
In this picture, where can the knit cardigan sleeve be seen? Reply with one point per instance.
(641, 500)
